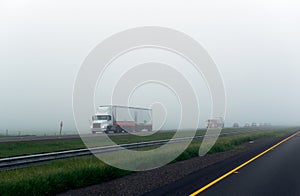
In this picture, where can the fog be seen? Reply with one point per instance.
(255, 45)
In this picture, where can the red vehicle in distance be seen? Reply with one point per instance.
(215, 123)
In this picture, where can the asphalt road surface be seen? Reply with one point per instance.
(275, 173)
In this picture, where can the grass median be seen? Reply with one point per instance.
(57, 176)
(17, 148)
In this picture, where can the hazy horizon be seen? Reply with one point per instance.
(254, 44)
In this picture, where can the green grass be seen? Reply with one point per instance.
(57, 176)
(232, 142)
(9, 149)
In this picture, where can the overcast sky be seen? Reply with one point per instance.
(255, 44)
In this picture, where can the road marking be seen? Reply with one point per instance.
(241, 166)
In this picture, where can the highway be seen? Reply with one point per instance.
(272, 169)
(275, 173)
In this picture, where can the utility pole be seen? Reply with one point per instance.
(6, 132)
(61, 127)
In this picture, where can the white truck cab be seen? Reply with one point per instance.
(100, 122)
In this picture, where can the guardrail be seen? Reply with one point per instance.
(28, 160)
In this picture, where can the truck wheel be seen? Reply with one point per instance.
(119, 129)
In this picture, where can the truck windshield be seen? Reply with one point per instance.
(101, 117)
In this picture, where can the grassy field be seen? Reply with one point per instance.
(8, 149)
(57, 176)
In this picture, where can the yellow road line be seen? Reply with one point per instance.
(242, 165)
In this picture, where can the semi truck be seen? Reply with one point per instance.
(118, 119)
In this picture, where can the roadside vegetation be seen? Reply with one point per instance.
(10, 149)
(57, 176)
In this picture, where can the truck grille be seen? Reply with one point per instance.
(96, 125)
